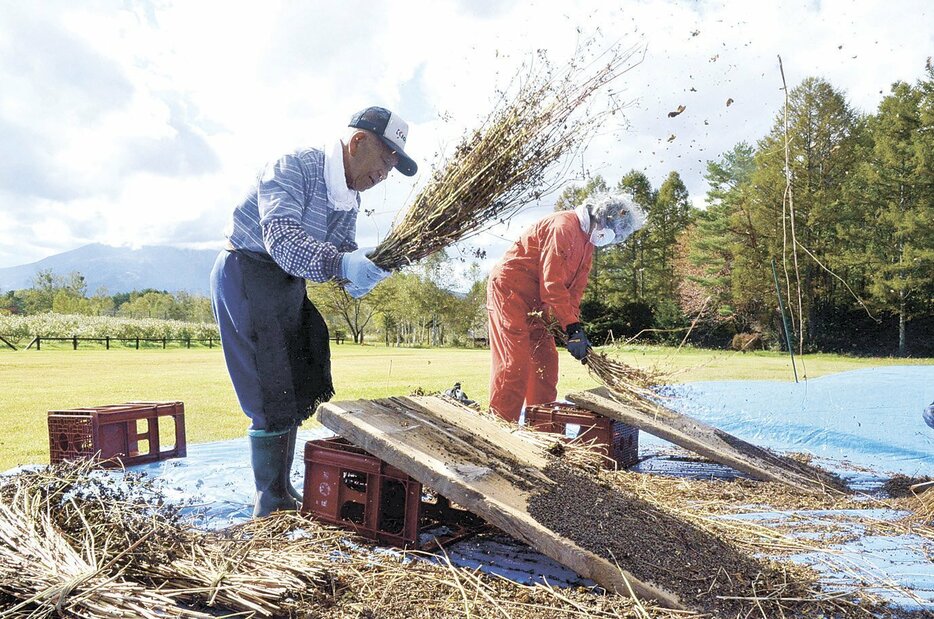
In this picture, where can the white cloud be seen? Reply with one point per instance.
(144, 122)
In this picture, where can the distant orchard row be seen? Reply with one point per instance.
(20, 330)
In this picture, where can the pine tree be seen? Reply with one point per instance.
(726, 242)
(631, 260)
(899, 225)
(668, 219)
(824, 134)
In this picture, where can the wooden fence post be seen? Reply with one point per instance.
(74, 342)
(163, 342)
(137, 342)
(107, 341)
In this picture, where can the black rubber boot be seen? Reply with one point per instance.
(269, 455)
(293, 434)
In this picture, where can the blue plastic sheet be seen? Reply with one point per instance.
(871, 418)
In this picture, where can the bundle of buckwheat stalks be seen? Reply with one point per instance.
(514, 157)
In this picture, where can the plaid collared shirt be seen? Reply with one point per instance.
(287, 216)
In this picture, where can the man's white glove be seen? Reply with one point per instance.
(360, 272)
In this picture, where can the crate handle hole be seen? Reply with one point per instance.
(354, 512)
(392, 508)
(354, 480)
(140, 447)
(167, 434)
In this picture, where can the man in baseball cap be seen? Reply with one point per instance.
(297, 223)
(391, 129)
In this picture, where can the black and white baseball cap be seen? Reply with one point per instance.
(391, 129)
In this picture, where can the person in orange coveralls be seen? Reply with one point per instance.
(546, 271)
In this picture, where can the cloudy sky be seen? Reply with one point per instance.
(143, 122)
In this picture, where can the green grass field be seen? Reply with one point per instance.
(31, 382)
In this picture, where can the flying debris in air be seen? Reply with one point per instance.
(671, 138)
(706, 122)
(714, 57)
(693, 89)
(694, 33)
(676, 112)
(729, 102)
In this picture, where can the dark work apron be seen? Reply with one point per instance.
(292, 352)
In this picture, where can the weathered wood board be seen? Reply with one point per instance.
(478, 464)
(711, 442)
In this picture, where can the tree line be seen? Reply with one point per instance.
(412, 308)
(68, 294)
(842, 203)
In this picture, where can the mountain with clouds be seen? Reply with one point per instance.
(122, 269)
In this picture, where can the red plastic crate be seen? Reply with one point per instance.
(346, 486)
(615, 439)
(111, 433)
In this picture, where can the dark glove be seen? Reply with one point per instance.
(578, 344)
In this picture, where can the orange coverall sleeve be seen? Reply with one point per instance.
(558, 264)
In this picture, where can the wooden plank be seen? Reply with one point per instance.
(478, 464)
(710, 442)
(455, 414)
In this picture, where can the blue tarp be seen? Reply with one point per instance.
(871, 418)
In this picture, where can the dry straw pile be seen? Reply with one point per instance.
(514, 158)
(716, 507)
(80, 543)
(75, 543)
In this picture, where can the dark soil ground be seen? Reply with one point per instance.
(899, 486)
